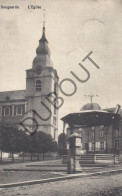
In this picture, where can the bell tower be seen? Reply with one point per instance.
(41, 80)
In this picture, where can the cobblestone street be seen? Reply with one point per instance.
(87, 186)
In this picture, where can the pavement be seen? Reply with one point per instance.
(47, 171)
(100, 185)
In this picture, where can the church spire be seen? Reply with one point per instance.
(43, 44)
(43, 38)
(42, 52)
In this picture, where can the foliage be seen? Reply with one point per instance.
(62, 144)
(42, 143)
(13, 140)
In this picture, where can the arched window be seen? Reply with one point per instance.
(38, 85)
(19, 110)
(7, 111)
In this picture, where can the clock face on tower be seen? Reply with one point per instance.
(38, 70)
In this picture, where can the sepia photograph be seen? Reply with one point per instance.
(61, 98)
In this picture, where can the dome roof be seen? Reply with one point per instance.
(90, 106)
(42, 58)
(42, 61)
(43, 49)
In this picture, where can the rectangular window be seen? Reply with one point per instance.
(101, 133)
(87, 146)
(92, 146)
(92, 135)
(18, 110)
(101, 145)
(117, 145)
(117, 132)
(97, 145)
(6, 111)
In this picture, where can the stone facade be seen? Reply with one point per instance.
(106, 139)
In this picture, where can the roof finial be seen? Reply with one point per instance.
(43, 18)
(91, 96)
(43, 38)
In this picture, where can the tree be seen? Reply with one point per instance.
(42, 143)
(13, 140)
(24, 142)
(62, 144)
(54, 147)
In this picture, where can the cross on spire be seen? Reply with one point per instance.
(43, 18)
(43, 38)
(91, 96)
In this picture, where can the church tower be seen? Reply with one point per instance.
(41, 80)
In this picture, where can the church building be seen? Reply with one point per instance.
(41, 80)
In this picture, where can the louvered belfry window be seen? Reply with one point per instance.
(38, 85)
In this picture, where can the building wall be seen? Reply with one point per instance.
(47, 116)
(110, 139)
(102, 136)
(13, 108)
(32, 101)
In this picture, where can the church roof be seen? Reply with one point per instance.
(13, 95)
(42, 58)
(43, 38)
(90, 106)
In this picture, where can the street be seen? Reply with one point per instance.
(102, 185)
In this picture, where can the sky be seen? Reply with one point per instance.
(73, 29)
